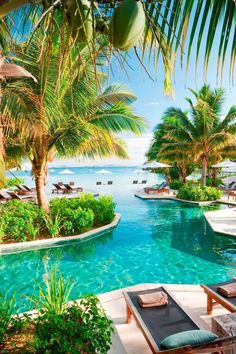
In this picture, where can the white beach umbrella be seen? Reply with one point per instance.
(66, 172)
(149, 166)
(155, 164)
(228, 165)
(104, 172)
(138, 171)
(225, 164)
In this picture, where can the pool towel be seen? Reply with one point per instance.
(228, 290)
(157, 298)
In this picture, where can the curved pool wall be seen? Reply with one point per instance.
(155, 241)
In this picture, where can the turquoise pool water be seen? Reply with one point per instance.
(156, 241)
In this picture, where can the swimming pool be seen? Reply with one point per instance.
(156, 241)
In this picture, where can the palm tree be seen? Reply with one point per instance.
(172, 28)
(201, 131)
(181, 161)
(70, 118)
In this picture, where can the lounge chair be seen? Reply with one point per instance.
(22, 197)
(109, 182)
(98, 183)
(214, 296)
(158, 189)
(29, 189)
(135, 182)
(58, 188)
(157, 323)
(70, 189)
(4, 196)
(71, 183)
(144, 181)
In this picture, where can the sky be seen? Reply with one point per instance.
(151, 101)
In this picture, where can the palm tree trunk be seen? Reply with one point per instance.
(204, 170)
(39, 175)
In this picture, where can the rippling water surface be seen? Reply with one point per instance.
(156, 241)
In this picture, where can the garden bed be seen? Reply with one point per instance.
(25, 226)
(58, 241)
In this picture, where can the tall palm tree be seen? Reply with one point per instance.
(201, 131)
(172, 28)
(72, 117)
(181, 161)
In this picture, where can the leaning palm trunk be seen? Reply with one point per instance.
(39, 170)
(204, 170)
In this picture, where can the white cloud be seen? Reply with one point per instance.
(136, 146)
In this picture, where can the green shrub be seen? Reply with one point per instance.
(176, 184)
(102, 207)
(212, 193)
(198, 193)
(81, 328)
(17, 216)
(69, 328)
(9, 324)
(69, 210)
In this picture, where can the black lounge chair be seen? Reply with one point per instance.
(144, 181)
(214, 296)
(58, 188)
(157, 323)
(70, 189)
(26, 197)
(109, 182)
(98, 183)
(135, 182)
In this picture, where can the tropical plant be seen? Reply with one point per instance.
(54, 294)
(181, 161)
(8, 323)
(21, 219)
(195, 192)
(201, 133)
(172, 28)
(53, 224)
(73, 117)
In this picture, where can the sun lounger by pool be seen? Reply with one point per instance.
(162, 188)
(109, 182)
(58, 188)
(98, 183)
(144, 181)
(157, 323)
(29, 189)
(214, 297)
(4, 196)
(71, 189)
(135, 181)
(22, 197)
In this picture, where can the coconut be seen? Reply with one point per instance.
(127, 24)
(80, 17)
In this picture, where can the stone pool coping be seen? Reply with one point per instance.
(162, 196)
(58, 241)
(222, 221)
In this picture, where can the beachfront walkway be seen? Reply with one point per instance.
(128, 338)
